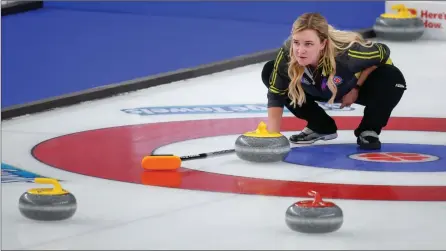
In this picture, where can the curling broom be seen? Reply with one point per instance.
(173, 162)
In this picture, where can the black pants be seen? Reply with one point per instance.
(379, 94)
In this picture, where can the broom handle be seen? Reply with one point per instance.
(205, 155)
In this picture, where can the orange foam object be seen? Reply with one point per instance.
(161, 162)
(171, 178)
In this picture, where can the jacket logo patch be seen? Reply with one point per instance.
(337, 80)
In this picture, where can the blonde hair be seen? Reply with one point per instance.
(337, 41)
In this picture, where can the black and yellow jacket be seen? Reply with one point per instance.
(349, 65)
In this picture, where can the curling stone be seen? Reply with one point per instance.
(47, 204)
(402, 26)
(262, 146)
(314, 216)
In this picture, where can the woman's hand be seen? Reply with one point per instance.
(349, 98)
(274, 119)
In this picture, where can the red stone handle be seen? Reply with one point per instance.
(316, 202)
(317, 198)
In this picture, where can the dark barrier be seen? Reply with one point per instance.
(10, 7)
(69, 52)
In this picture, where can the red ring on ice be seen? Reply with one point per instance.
(115, 153)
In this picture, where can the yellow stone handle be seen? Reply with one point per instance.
(261, 128)
(403, 12)
(56, 190)
(399, 7)
(262, 132)
(54, 182)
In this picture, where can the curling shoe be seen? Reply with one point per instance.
(369, 140)
(308, 136)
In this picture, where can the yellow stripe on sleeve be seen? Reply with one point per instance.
(275, 90)
(276, 65)
(365, 55)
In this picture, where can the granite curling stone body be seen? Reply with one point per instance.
(47, 204)
(402, 26)
(314, 217)
(262, 146)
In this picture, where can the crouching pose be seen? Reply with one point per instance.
(319, 63)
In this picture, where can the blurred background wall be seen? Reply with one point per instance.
(66, 47)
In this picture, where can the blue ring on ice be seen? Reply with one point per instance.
(345, 157)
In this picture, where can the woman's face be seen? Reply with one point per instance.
(307, 47)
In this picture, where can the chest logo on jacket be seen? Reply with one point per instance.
(336, 80)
